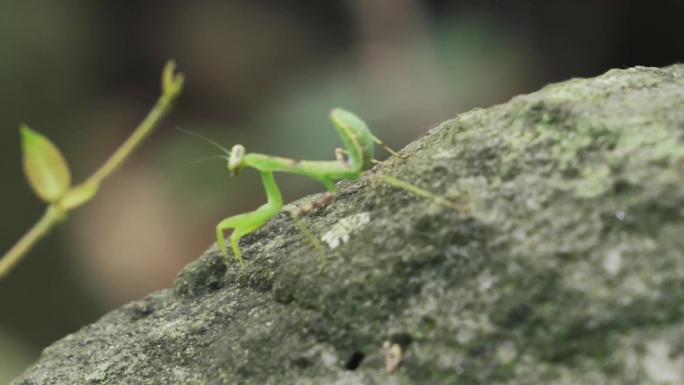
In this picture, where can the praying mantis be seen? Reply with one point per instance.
(350, 162)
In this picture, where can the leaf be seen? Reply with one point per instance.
(79, 195)
(45, 168)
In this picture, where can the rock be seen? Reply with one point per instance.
(564, 265)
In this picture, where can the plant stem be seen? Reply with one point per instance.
(172, 85)
(153, 118)
(39, 229)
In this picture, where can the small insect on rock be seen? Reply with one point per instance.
(349, 164)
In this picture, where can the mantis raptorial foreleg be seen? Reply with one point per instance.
(244, 224)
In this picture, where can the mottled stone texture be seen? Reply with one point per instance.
(564, 266)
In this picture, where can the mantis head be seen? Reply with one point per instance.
(235, 159)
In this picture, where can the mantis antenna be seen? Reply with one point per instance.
(223, 149)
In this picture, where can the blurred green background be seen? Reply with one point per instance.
(260, 73)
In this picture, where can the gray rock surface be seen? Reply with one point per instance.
(564, 266)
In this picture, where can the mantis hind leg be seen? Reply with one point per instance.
(246, 223)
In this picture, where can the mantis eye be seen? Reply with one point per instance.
(235, 160)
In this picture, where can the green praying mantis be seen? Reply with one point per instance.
(350, 162)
